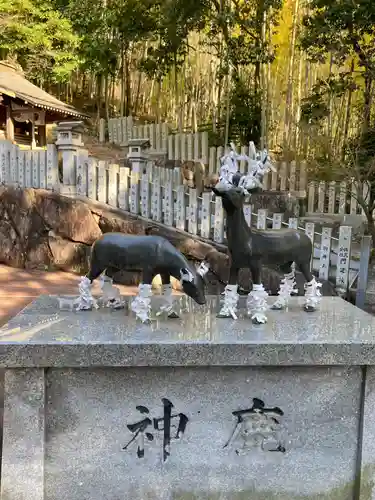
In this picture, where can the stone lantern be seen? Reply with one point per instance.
(138, 154)
(69, 142)
(138, 157)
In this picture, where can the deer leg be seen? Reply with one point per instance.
(167, 305)
(287, 286)
(141, 304)
(313, 295)
(257, 298)
(229, 306)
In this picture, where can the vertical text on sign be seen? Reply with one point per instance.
(169, 199)
(325, 251)
(193, 211)
(218, 221)
(145, 196)
(156, 201)
(343, 258)
(181, 208)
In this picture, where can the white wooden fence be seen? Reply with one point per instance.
(29, 168)
(157, 195)
(323, 197)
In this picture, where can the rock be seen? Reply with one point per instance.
(68, 255)
(109, 224)
(69, 218)
(19, 208)
(39, 255)
(12, 252)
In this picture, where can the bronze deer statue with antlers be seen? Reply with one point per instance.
(251, 248)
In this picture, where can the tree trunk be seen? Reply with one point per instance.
(289, 94)
(367, 99)
(347, 114)
(106, 96)
(122, 81)
(128, 103)
(298, 106)
(98, 96)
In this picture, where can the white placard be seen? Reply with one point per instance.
(169, 200)
(277, 220)
(13, 163)
(123, 200)
(92, 181)
(325, 251)
(134, 192)
(113, 185)
(145, 196)
(53, 180)
(262, 219)
(156, 201)
(35, 169)
(81, 173)
(247, 210)
(21, 168)
(206, 215)
(28, 169)
(42, 169)
(102, 182)
(218, 221)
(343, 257)
(181, 208)
(193, 212)
(293, 223)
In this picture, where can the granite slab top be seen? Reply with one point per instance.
(42, 335)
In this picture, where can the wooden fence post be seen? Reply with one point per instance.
(113, 184)
(92, 179)
(343, 259)
(193, 212)
(310, 231)
(81, 172)
(325, 253)
(262, 219)
(53, 180)
(218, 221)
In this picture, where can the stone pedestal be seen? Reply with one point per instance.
(98, 406)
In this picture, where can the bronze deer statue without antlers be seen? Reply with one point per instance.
(251, 248)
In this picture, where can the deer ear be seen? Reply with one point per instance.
(186, 275)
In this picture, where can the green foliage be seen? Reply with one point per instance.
(91, 21)
(39, 37)
(175, 20)
(240, 24)
(343, 30)
(342, 27)
(315, 108)
(245, 116)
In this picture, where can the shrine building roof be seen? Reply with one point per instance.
(14, 84)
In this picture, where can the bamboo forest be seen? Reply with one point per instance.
(296, 76)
